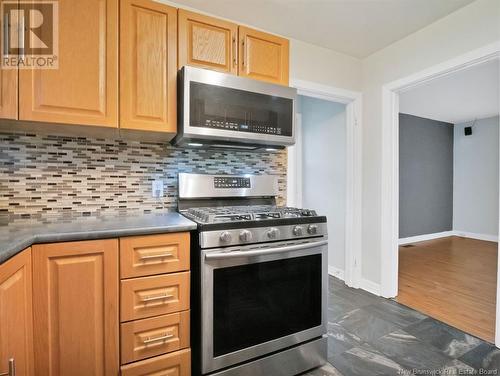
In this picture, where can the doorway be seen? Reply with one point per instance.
(351, 103)
(322, 165)
(391, 181)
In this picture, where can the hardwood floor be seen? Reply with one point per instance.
(453, 280)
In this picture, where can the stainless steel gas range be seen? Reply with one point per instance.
(259, 278)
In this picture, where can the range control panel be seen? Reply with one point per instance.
(231, 182)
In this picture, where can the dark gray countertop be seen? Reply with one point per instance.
(18, 235)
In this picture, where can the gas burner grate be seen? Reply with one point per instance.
(245, 213)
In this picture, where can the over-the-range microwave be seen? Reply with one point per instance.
(220, 110)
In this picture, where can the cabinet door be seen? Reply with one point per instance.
(263, 56)
(207, 42)
(8, 94)
(16, 318)
(148, 66)
(84, 89)
(8, 87)
(173, 364)
(76, 308)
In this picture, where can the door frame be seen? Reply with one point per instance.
(390, 162)
(353, 102)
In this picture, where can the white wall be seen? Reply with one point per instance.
(312, 63)
(324, 169)
(475, 178)
(467, 29)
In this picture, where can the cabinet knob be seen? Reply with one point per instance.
(12, 368)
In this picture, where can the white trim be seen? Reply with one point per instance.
(294, 170)
(473, 235)
(370, 286)
(497, 327)
(446, 234)
(390, 173)
(320, 91)
(353, 209)
(352, 100)
(467, 60)
(390, 194)
(336, 272)
(422, 238)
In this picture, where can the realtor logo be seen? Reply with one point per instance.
(30, 34)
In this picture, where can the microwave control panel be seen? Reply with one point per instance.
(233, 126)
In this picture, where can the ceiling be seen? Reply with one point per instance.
(354, 27)
(470, 94)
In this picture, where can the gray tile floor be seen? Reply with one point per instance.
(369, 335)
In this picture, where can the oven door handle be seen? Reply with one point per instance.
(262, 252)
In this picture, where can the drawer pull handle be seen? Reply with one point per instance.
(157, 297)
(161, 255)
(12, 368)
(157, 339)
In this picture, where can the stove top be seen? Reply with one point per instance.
(235, 210)
(230, 214)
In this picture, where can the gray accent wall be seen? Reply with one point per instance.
(425, 176)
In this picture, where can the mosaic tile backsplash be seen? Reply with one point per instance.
(42, 176)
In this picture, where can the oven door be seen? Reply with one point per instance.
(260, 299)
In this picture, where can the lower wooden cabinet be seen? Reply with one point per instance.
(154, 254)
(173, 364)
(145, 338)
(68, 324)
(153, 296)
(16, 318)
(76, 308)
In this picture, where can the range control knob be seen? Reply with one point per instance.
(245, 236)
(298, 231)
(272, 233)
(225, 237)
(312, 229)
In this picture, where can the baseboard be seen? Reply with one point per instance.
(336, 272)
(422, 238)
(370, 286)
(445, 234)
(472, 235)
(365, 284)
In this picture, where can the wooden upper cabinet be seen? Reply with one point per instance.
(8, 90)
(84, 89)
(16, 317)
(148, 66)
(263, 56)
(8, 94)
(76, 308)
(207, 42)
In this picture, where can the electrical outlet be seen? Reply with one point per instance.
(157, 188)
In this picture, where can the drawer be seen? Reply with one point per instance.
(173, 364)
(154, 254)
(153, 296)
(145, 338)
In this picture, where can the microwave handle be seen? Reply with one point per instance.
(263, 252)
